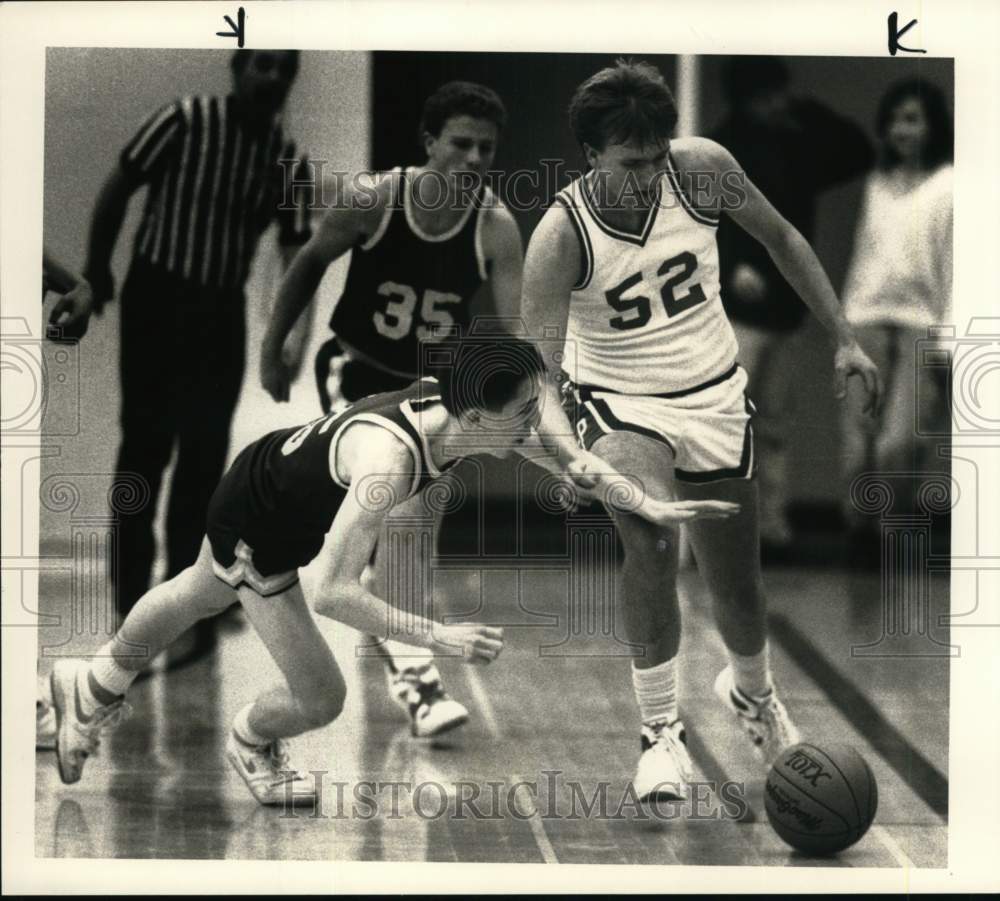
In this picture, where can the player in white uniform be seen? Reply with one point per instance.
(625, 265)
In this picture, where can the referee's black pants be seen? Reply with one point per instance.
(182, 355)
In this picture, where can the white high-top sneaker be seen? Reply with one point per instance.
(765, 720)
(420, 692)
(665, 768)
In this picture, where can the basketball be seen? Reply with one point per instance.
(820, 801)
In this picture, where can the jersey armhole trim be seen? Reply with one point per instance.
(383, 225)
(388, 425)
(675, 182)
(486, 204)
(586, 251)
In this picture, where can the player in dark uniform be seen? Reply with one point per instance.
(423, 241)
(321, 490)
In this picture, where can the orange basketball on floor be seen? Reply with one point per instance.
(820, 800)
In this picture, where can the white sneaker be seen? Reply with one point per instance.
(78, 736)
(420, 692)
(267, 774)
(45, 726)
(665, 768)
(764, 719)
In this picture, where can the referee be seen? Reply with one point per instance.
(215, 183)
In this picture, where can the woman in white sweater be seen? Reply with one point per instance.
(899, 283)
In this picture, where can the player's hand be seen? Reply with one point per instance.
(583, 473)
(292, 354)
(674, 513)
(478, 643)
(102, 286)
(850, 360)
(275, 376)
(71, 313)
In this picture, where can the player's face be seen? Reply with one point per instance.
(465, 145)
(265, 80)
(630, 171)
(908, 128)
(514, 423)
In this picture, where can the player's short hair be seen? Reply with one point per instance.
(461, 98)
(482, 374)
(940, 145)
(241, 59)
(747, 77)
(628, 103)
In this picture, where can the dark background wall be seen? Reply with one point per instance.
(536, 89)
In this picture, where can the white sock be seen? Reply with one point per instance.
(752, 674)
(109, 674)
(245, 732)
(656, 691)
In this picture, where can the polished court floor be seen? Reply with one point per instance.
(555, 712)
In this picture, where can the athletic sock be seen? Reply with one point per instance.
(245, 732)
(752, 674)
(656, 692)
(103, 682)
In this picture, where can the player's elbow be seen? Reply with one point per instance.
(785, 242)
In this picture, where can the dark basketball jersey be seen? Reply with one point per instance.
(282, 492)
(404, 286)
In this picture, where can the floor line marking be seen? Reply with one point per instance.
(538, 828)
(482, 700)
(892, 846)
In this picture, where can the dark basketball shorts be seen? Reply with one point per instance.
(250, 548)
(345, 378)
(707, 428)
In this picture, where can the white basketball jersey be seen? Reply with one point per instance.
(645, 316)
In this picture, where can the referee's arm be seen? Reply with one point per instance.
(149, 149)
(105, 225)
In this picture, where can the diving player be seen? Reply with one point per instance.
(323, 490)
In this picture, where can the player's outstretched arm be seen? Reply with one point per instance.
(340, 229)
(621, 494)
(796, 261)
(551, 269)
(588, 476)
(382, 477)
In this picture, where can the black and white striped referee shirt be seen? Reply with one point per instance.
(215, 185)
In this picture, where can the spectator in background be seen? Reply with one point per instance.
(899, 280)
(212, 167)
(793, 149)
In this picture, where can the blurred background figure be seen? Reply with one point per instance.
(899, 283)
(212, 167)
(793, 149)
(71, 312)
